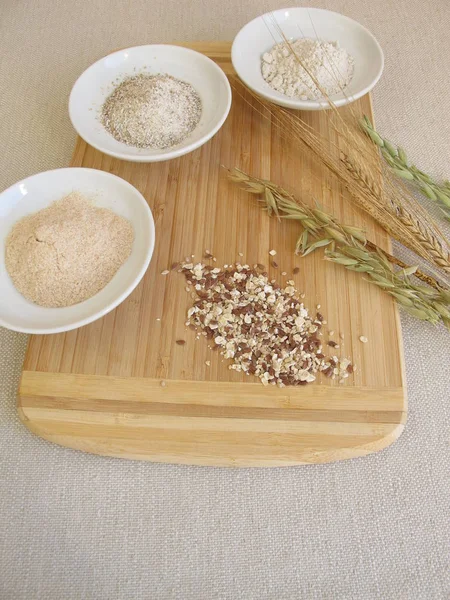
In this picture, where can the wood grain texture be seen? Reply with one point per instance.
(98, 388)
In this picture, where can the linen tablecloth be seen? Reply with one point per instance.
(79, 527)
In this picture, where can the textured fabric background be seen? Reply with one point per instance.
(80, 527)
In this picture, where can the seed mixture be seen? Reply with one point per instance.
(151, 111)
(67, 252)
(263, 327)
(331, 66)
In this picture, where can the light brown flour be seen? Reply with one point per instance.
(67, 252)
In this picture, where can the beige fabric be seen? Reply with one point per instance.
(74, 526)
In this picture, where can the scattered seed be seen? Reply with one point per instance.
(188, 289)
(331, 333)
(296, 270)
(181, 342)
(208, 255)
(341, 335)
(363, 339)
(272, 252)
(163, 384)
(240, 254)
(262, 327)
(158, 318)
(175, 266)
(284, 273)
(332, 344)
(208, 363)
(318, 306)
(165, 272)
(274, 264)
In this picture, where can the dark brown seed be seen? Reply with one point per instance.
(328, 372)
(296, 270)
(208, 255)
(181, 342)
(260, 267)
(319, 316)
(332, 344)
(274, 264)
(175, 265)
(320, 355)
(350, 369)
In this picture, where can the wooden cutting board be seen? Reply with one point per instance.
(98, 388)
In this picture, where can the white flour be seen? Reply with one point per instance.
(331, 65)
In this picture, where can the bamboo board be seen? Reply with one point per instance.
(98, 388)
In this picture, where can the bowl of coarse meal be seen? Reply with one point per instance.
(261, 34)
(105, 191)
(94, 86)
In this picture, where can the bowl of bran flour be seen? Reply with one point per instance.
(74, 243)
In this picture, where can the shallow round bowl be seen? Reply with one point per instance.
(258, 37)
(98, 81)
(107, 191)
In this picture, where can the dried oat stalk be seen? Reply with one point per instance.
(396, 158)
(348, 246)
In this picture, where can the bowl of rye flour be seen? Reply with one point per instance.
(303, 57)
(150, 103)
(74, 243)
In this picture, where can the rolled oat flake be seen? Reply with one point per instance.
(151, 111)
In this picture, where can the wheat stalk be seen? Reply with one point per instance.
(390, 205)
(348, 246)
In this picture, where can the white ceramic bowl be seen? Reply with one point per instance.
(262, 33)
(93, 87)
(39, 191)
